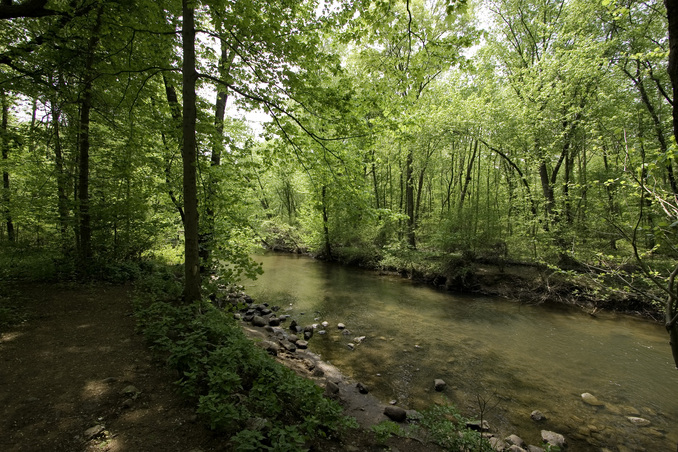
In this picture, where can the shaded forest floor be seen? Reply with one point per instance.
(76, 377)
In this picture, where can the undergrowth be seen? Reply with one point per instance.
(240, 390)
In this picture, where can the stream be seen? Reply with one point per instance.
(503, 358)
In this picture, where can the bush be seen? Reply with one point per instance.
(239, 389)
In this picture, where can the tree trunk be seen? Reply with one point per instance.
(62, 199)
(5, 174)
(85, 229)
(469, 171)
(191, 249)
(409, 200)
(672, 15)
(206, 238)
(326, 230)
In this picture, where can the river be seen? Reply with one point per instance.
(509, 357)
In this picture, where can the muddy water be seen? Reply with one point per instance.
(507, 358)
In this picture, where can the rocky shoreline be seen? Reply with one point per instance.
(287, 340)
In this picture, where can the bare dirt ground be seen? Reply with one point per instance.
(76, 377)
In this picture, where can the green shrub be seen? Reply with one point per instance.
(239, 389)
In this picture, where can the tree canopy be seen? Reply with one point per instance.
(537, 131)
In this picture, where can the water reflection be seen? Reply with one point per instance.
(517, 358)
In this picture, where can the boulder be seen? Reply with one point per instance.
(274, 321)
(497, 444)
(290, 347)
(271, 347)
(95, 431)
(537, 416)
(302, 345)
(293, 338)
(395, 413)
(515, 440)
(259, 321)
(514, 448)
(590, 399)
(331, 388)
(439, 384)
(478, 426)
(639, 421)
(362, 388)
(553, 439)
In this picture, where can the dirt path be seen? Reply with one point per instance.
(76, 377)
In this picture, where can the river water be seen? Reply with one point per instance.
(506, 357)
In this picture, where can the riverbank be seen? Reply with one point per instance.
(572, 283)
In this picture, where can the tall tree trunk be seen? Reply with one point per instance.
(409, 200)
(62, 199)
(4, 142)
(326, 229)
(191, 248)
(672, 299)
(85, 229)
(469, 172)
(207, 236)
(637, 80)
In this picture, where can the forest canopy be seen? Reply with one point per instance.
(398, 132)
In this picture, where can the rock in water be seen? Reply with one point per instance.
(478, 426)
(515, 440)
(639, 421)
(439, 384)
(553, 438)
(259, 321)
(341, 326)
(590, 399)
(395, 413)
(362, 388)
(537, 416)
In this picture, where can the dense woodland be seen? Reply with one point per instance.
(533, 131)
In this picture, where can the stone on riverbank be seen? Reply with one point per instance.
(590, 399)
(259, 321)
(553, 438)
(639, 421)
(515, 440)
(395, 413)
(439, 384)
(537, 416)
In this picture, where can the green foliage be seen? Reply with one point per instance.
(447, 428)
(386, 429)
(239, 389)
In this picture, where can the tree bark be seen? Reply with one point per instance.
(62, 199)
(85, 227)
(207, 237)
(5, 174)
(191, 249)
(672, 16)
(409, 201)
(326, 229)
